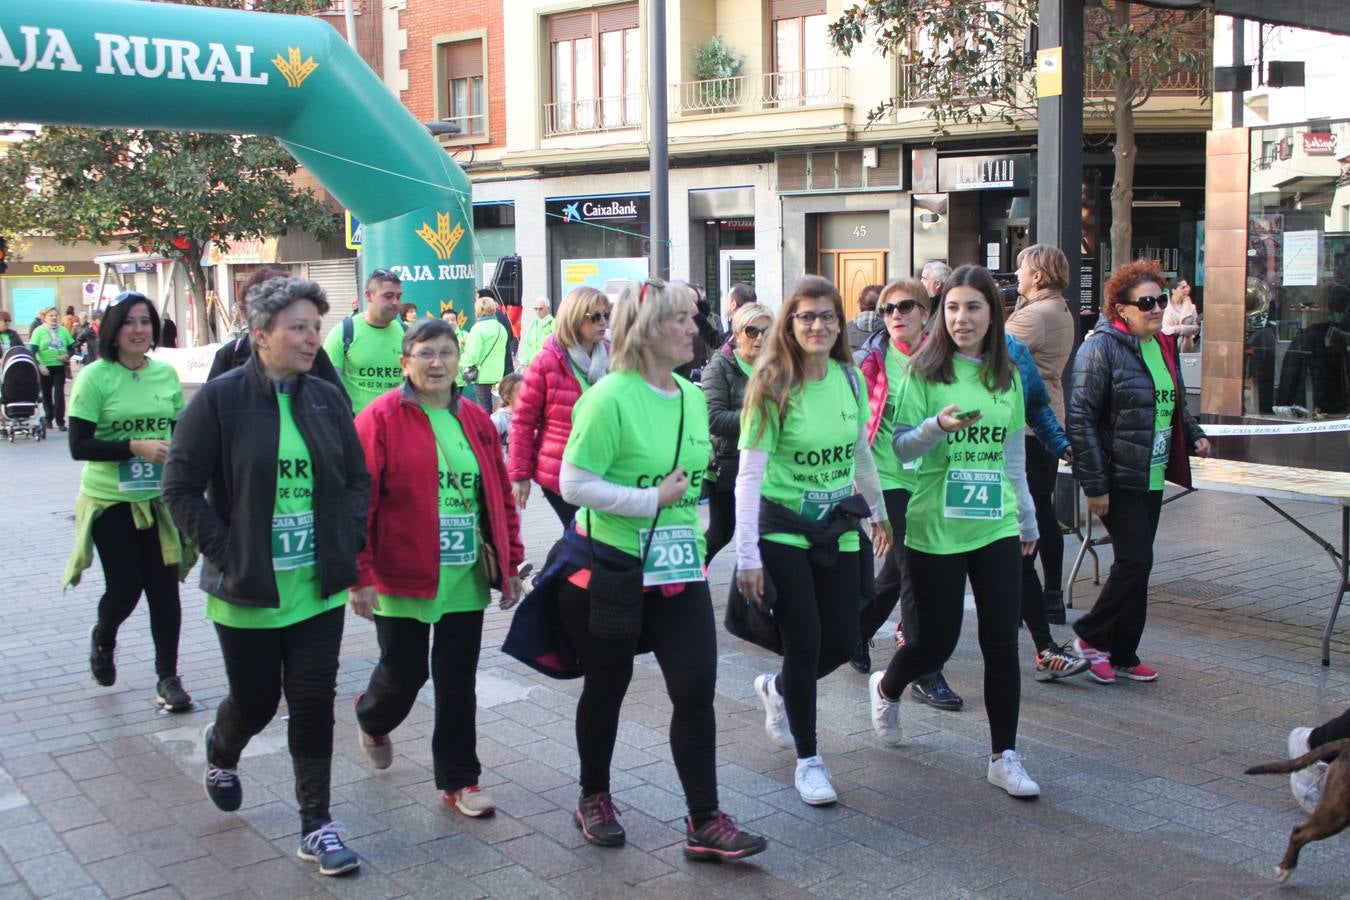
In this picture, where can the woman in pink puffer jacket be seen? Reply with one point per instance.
(573, 359)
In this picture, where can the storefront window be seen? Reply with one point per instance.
(1298, 272)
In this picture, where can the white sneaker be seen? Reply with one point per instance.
(1007, 772)
(885, 713)
(1306, 784)
(775, 714)
(813, 782)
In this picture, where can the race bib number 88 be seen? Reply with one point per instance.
(973, 494)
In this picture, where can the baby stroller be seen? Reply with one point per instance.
(20, 395)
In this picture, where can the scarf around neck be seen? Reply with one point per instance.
(593, 365)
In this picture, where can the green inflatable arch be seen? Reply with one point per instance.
(124, 63)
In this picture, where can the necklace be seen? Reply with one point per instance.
(136, 372)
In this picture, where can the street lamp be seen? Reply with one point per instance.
(442, 128)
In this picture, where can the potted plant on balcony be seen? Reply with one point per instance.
(716, 66)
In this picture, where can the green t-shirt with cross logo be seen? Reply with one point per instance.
(810, 468)
(371, 366)
(462, 586)
(1164, 405)
(126, 406)
(625, 431)
(293, 564)
(963, 498)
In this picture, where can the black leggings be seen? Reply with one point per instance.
(1334, 730)
(939, 588)
(565, 511)
(134, 563)
(893, 582)
(402, 670)
(54, 394)
(721, 522)
(681, 632)
(300, 660)
(1115, 623)
(817, 615)
(482, 395)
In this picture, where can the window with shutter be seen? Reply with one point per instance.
(465, 93)
(595, 59)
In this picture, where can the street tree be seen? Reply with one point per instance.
(966, 59)
(168, 192)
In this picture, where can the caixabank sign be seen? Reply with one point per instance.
(605, 209)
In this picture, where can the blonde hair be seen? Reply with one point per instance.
(484, 308)
(747, 313)
(572, 312)
(781, 364)
(911, 286)
(637, 316)
(1050, 262)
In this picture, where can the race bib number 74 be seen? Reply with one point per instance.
(973, 494)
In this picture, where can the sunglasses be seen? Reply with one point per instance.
(383, 275)
(904, 308)
(1146, 304)
(598, 317)
(754, 331)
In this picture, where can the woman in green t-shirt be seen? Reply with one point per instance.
(903, 309)
(961, 416)
(485, 351)
(634, 466)
(436, 473)
(803, 450)
(52, 344)
(122, 412)
(274, 449)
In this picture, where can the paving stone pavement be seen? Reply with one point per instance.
(1143, 796)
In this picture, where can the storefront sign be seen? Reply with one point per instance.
(981, 173)
(601, 209)
(53, 269)
(257, 250)
(1319, 143)
(131, 268)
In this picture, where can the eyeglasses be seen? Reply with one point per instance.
(904, 307)
(1146, 304)
(541, 309)
(598, 317)
(426, 356)
(754, 331)
(808, 319)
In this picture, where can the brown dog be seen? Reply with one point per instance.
(1332, 813)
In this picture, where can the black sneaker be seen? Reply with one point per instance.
(101, 664)
(862, 657)
(169, 694)
(599, 821)
(324, 846)
(720, 839)
(937, 694)
(222, 785)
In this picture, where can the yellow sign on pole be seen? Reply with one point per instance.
(1050, 72)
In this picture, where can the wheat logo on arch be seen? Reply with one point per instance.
(443, 239)
(294, 71)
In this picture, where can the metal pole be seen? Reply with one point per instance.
(1059, 141)
(1239, 54)
(350, 18)
(657, 139)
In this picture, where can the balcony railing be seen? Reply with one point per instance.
(910, 93)
(1178, 84)
(597, 114)
(755, 93)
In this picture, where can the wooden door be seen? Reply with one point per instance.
(855, 270)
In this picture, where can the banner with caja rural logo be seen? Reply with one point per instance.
(132, 64)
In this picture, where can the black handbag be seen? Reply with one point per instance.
(616, 594)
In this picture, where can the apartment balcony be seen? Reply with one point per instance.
(593, 116)
(1178, 84)
(767, 92)
(910, 93)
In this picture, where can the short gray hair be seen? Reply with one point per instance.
(937, 268)
(268, 299)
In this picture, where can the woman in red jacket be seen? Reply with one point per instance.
(438, 495)
(572, 360)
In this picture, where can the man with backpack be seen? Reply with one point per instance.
(367, 348)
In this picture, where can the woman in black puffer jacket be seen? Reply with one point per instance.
(724, 379)
(1130, 431)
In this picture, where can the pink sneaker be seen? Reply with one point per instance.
(1140, 672)
(1099, 669)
